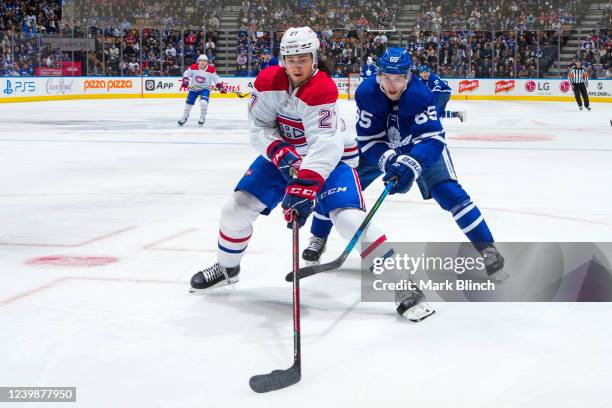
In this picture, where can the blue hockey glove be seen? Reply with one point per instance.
(405, 169)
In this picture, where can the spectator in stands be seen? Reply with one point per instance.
(469, 48)
(267, 59)
(242, 64)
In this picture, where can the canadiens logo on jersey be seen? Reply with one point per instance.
(199, 79)
(292, 130)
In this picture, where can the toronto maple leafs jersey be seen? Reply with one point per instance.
(435, 84)
(368, 70)
(408, 126)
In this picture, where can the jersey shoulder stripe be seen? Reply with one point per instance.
(318, 90)
(273, 78)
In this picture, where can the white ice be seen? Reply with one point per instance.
(117, 178)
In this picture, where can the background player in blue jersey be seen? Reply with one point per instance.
(267, 59)
(400, 135)
(368, 69)
(441, 91)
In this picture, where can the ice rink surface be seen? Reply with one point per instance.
(117, 184)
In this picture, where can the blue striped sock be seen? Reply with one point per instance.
(472, 223)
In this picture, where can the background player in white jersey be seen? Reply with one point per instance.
(306, 157)
(200, 79)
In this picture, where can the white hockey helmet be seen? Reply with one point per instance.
(203, 57)
(300, 40)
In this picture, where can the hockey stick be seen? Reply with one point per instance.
(336, 263)
(241, 95)
(278, 379)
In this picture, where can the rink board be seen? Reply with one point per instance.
(30, 89)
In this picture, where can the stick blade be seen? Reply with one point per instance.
(302, 272)
(276, 380)
(314, 269)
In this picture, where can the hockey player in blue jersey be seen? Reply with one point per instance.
(442, 92)
(305, 163)
(368, 69)
(400, 136)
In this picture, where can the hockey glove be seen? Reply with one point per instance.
(300, 196)
(221, 88)
(405, 169)
(386, 160)
(185, 83)
(285, 158)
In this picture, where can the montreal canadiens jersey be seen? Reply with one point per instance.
(305, 117)
(409, 126)
(435, 84)
(200, 79)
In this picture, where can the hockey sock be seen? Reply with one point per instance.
(469, 218)
(321, 226)
(374, 241)
(203, 109)
(187, 110)
(236, 227)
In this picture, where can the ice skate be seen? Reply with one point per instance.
(411, 304)
(214, 277)
(494, 263)
(316, 247)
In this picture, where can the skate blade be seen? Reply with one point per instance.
(227, 285)
(311, 263)
(201, 124)
(418, 312)
(499, 276)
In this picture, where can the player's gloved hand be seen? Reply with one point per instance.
(221, 88)
(185, 83)
(405, 170)
(300, 196)
(285, 158)
(386, 160)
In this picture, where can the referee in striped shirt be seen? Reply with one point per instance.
(579, 78)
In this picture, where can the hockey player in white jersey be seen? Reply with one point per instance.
(200, 78)
(306, 161)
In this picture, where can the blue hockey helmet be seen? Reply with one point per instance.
(395, 60)
(266, 51)
(424, 68)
